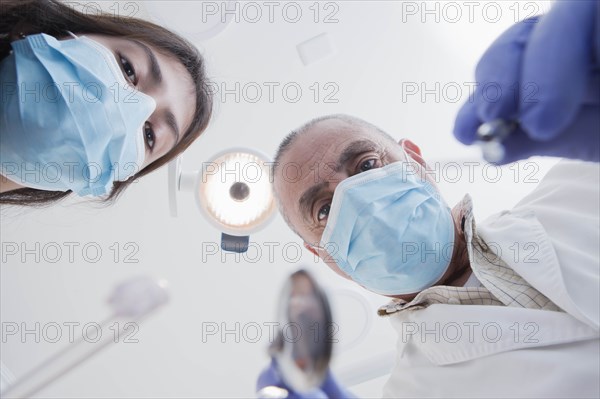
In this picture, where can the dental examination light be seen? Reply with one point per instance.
(232, 191)
(131, 301)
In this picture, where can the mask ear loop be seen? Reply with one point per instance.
(420, 172)
(410, 159)
(413, 167)
(317, 246)
(330, 248)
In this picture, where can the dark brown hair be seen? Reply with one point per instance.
(54, 18)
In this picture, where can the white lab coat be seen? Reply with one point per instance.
(517, 352)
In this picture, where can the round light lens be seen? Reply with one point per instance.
(234, 190)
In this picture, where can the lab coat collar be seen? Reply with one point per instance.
(533, 257)
(448, 334)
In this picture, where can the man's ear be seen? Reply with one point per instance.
(410, 147)
(311, 249)
(413, 151)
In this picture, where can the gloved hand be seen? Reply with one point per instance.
(548, 69)
(330, 389)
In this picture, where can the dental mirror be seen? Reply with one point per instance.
(303, 346)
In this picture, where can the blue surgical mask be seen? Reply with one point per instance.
(69, 120)
(389, 230)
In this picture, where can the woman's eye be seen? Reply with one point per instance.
(149, 136)
(367, 165)
(128, 70)
(323, 212)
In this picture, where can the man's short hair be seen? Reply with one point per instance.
(352, 121)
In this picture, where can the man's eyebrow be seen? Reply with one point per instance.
(306, 200)
(155, 71)
(172, 123)
(352, 150)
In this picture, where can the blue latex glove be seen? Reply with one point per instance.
(549, 71)
(330, 389)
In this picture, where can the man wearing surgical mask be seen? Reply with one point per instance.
(366, 206)
(349, 147)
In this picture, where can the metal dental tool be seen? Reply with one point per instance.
(490, 136)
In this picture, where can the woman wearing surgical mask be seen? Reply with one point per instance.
(89, 103)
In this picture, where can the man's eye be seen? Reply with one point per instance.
(149, 136)
(323, 212)
(367, 165)
(128, 70)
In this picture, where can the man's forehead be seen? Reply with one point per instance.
(324, 140)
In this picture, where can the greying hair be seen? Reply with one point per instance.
(352, 121)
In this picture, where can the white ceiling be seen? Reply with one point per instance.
(375, 53)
